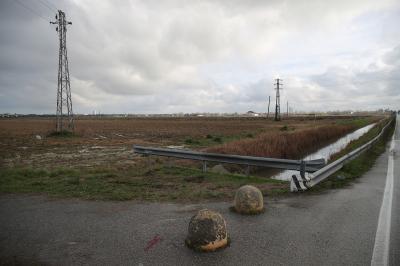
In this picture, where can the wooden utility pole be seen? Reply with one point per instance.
(269, 102)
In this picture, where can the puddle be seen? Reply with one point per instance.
(178, 147)
(327, 151)
(97, 147)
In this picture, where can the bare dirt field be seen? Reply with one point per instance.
(25, 141)
(98, 162)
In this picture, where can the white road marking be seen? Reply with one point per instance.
(380, 254)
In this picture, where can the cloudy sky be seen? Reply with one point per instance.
(156, 56)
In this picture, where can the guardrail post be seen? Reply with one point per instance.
(303, 169)
(248, 170)
(204, 166)
(148, 162)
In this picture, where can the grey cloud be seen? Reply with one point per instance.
(377, 85)
(146, 56)
(393, 57)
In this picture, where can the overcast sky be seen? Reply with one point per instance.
(202, 56)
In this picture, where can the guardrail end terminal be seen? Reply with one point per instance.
(298, 184)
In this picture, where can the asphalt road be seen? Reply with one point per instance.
(337, 227)
(394, 248)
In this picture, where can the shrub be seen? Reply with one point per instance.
(217, 139)
(284, 128)
(62, 134)
(190, 141)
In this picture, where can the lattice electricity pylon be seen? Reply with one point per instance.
(278, 101)
(64, 121)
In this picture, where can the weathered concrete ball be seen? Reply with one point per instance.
(207, 231)
(248, 200)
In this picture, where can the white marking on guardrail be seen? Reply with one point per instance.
(380, 254)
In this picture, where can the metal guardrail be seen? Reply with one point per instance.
(303, 183)
(303, 166)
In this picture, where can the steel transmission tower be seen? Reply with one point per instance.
(278, 101)
(65, 121)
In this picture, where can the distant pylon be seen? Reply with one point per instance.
(287, 108)
(64, 121)
(278, 101)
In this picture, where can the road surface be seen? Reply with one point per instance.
(339, 227)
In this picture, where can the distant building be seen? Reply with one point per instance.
(251, 113)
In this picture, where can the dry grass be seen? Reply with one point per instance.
(285, 144)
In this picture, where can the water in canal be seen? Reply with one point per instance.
(327, 151)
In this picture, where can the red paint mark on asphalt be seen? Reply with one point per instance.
(156, 239)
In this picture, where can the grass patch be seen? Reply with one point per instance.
(357, 121)
(287, 128)
(284, 128)
(161, 183)
(363, 163)
(190, 141)
(212, 140)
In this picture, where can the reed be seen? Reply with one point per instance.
(289, 145)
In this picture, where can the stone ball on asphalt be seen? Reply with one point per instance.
(207, 231)
(248, 200)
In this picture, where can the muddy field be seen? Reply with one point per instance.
(98, 162)
(25, 141)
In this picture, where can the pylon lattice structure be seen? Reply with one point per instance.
(278, 101)
(64, 114)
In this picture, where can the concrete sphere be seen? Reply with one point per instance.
(207, 231)
(248, 200)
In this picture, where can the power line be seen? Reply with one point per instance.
(51, 4)
(47, 5)
(30, 9)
